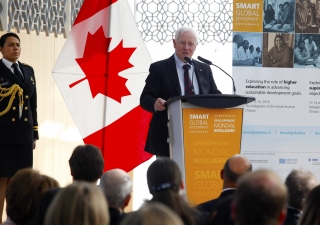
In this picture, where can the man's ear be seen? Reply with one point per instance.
(221, 173)
(174, 43)
(181, 185)
(282, 216)
(127, 200)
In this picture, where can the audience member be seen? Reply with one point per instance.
(86, 163)
(234, 167)
(164, 183)
(117, 187)
(260, 199)
(299, 183)
(311, 214)
(23, 195)
(80, 203)
(44, 204)
(220, 208)
(152, 213)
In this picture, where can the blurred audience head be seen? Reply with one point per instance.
(117, 187)
(234, 168)
(86, 163)
(311, 208)
(152, 213)
(164, 183)
(260, 199)
(80, 203)
(299, 183)
(24, 193)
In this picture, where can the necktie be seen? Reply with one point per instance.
(17, 71)
(188, 88)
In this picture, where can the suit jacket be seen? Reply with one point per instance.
(209, 206)
(293, 216)
(115, 216)
(163, 82)
(15, 130)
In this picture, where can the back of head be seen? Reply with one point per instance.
(311, 208)
(80, 203)
(86, 163)
(24, 194)
(152, 213)
(260, 199)
(117, 186)
(299, 183)
(234, 168)
(164, 181)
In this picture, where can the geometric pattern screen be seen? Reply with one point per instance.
(157, 20)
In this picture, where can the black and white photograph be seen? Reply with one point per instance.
(307, 51)
(278, 16)
(307, 16)
(278, 50)
(247, 49)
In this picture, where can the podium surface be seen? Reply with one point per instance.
(204, 131)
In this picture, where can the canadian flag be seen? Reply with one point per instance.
(100, 73)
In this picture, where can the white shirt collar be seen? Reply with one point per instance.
(8, 63)
(179, 63)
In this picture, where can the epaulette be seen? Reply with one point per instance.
(26, 64)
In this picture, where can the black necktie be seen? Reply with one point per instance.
(188, 89)
(17, 71)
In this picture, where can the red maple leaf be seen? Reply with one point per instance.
(102, 67)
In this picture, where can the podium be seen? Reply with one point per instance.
(204, 131)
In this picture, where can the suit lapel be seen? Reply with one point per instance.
(6, 72)
(202, 81)
(173, 74)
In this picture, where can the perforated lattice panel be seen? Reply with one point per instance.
(157, 20)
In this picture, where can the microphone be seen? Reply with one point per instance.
(191, 63)
(210, 63)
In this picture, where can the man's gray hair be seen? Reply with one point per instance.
(299, 183)
(117, 186)
(181, 30)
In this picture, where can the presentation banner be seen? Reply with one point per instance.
(275, 57)
(211, 136)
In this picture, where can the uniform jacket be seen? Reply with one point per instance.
(163, 82)
(13, 129)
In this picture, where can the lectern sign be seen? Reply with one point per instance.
(211, 136)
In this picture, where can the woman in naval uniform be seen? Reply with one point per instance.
(18, 112)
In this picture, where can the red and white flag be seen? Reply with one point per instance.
(101, 72)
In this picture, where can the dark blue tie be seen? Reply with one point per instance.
(17, 71)
(188, 89)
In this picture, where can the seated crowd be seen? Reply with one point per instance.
(248, 197)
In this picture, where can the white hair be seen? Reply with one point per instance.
(181, 30)
(117, 186)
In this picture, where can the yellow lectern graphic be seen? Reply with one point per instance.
(247, 15)
(211, 136)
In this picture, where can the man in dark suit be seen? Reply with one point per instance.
(117, 187)
(299, 183)
(233, 169)
(18, 112)
(167, 79)
(260, 198)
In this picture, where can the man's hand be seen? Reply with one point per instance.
(159, 104)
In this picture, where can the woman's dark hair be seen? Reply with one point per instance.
(24, 193)
(164, 180)
(311, 209)
(5, 36)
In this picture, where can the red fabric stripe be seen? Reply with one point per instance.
(91, 7)
(122, 142)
